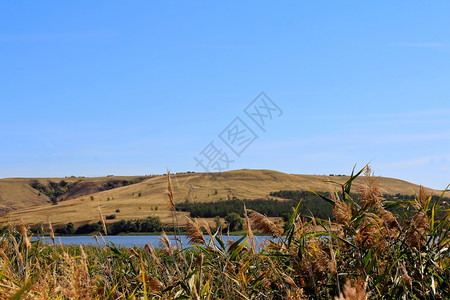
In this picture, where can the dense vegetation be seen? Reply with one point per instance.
(367, 252)
(114, 183)
(311, 205)
(54, 190)
(151, 224)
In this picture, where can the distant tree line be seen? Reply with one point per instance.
(311, 205)
(150, 224)
(407, 209)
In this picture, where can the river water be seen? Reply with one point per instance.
(132, 240)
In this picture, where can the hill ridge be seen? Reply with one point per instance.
(146, 195)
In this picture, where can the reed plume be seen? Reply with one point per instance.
(164, 239)
(249, 229)
(301, 264)
(102, 220)
(155, 285)
(342, 212)
(194, 233)
(170, 192)
(264, 224)
(52, 233)
(405, 276)
(423, 196)
(389, 219)
(23, 231)
(370, 193)
(354, 292)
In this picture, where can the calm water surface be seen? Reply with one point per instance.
(130, 240)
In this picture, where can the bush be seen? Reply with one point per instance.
(70, 228)
(270, 207)
(366, 253)
(88, 228)
(38, 229)
(234, 221)
(150, 224)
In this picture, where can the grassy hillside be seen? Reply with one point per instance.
(146, 196)
(366, 253)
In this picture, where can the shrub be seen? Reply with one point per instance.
(88, 228)
(234, 221)
(366, 253)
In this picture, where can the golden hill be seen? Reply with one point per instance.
(132, 197)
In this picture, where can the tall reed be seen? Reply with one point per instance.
(364, 252)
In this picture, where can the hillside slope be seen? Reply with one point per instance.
(146, 196)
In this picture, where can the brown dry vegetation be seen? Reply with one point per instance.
(22, 201)
(369, 255)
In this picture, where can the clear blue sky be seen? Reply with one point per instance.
(112, 87)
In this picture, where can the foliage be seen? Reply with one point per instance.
(151, 224)
(365, 253)
(111, 184)
(218, 222)
(234, 221)
(88, 228)
(53, 190)
(110, 217)
(68, 229)
(269, 207)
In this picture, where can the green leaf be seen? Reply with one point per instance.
(236, 244)
(329, 200)
(348, 183)
(342, 240)
(18, 295)
(367, 258)
(289, 228)
(220, 241)
(238, 249)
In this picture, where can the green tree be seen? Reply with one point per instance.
(234, 221)
(217, 221)
(38, 228)
(70, 228)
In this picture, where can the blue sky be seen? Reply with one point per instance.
(112, 87)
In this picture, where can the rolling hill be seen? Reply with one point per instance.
(131, 197)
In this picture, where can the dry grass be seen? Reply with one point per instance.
(16, 194)
(370, 256)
